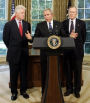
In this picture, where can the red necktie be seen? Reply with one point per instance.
(20, 29)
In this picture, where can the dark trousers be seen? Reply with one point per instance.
(15, 69)
(72, 65)
(43, 59)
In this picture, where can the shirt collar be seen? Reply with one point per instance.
(18, 21)
(72, 20)
(50, 22)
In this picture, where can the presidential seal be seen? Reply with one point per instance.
(54, 42)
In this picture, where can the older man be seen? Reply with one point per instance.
(76, 29)
(17, 51)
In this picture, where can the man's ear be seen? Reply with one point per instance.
(52, 14)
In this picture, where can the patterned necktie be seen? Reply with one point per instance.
(72, 27)
(20, 29)
(50, 26)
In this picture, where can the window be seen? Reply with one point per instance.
(37, 8)
(3, 20)
(84, 14)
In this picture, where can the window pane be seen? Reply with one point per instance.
(88, 37)
(87, 13)
(80, 13)
(2, 23)
(87, 25)
(80, 3)
(34, 24)
(48, 3)
(41, 14)
(2, 13)
(34, 4)
(87, 3)
(2, 3)
(87, 48)
(34, 14)
(2, 49)
(1, 34)
(41, 4)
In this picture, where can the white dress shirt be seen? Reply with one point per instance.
(18, 22)
(51, 24)
(74, 23)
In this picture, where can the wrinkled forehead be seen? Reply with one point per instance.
(73, 9)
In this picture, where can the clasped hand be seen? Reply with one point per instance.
(73, 35)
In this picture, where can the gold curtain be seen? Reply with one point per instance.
(60, 9)
(26, 3)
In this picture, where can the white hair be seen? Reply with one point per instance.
(19, 7)
(72, 7)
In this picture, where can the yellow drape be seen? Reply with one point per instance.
(26, 3)
(60, 9)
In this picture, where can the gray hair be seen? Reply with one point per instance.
(47, 10)
(19, 7)
(72, 7)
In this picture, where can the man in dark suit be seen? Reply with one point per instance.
(73, 59)
(17, 51)
(45, 29)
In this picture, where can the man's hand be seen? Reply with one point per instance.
(28, 35)
(73, 35)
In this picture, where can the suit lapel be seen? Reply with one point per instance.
(24, 29)
(46, 28)
(54, 26)
(77, 25)
(15, 26)
(67, 26)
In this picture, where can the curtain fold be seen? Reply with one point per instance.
(26, 3)
(60, 9)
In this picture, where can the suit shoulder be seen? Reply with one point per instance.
(41, 22)
(80, 20)
(55, 21)
(26, 22)
(64, 21)
(58, 22)
(9, 23)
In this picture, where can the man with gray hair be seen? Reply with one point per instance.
(17, 50)
(73, 58)
(45, 29)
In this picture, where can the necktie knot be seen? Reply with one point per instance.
(72, 21)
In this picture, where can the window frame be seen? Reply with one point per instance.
(76, 3)
(3, 57)
(39, 20)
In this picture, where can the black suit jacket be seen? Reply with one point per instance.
(80, 28)
(14, 42)
(42, 29)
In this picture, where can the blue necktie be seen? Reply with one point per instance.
(50, 26)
